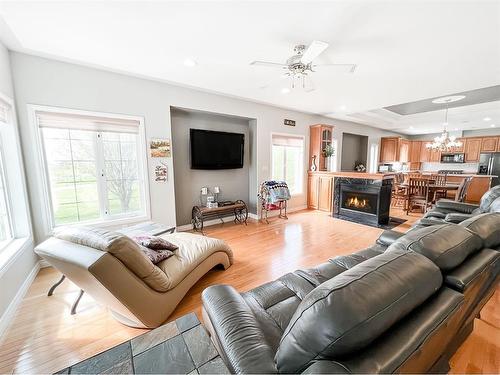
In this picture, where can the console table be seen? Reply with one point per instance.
(199, 214)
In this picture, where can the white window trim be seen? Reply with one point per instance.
(21, 231)
(42, 165)
(304, 159)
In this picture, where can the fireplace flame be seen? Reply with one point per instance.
(357, 203)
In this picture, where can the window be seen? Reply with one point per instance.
(94, 167)
(5, 213)
(288, 161)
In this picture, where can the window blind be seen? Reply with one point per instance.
(86, 122)
(287, 140)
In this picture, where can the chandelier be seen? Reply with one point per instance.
(444, 142)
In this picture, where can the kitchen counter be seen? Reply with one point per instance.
(428, 173)
(365, 175)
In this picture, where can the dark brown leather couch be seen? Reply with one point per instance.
(403, 305)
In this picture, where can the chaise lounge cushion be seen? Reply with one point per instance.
(192, 250)
(122, 248)
(348, 312)
(446, 245)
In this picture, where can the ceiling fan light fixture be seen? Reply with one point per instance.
(313, 51)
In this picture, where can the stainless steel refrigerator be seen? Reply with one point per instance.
(490, 164)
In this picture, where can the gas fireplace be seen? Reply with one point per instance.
(363, 201)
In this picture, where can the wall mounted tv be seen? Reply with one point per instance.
(216, 150)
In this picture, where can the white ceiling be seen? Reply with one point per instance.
(405, 50)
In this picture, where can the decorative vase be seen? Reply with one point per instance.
(328, 163)
(313, 164)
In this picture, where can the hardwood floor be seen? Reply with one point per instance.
(45, 338)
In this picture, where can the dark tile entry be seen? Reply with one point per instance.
(179, 347)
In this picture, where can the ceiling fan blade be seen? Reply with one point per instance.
(268, 64)
(351, 67)
(314, 50)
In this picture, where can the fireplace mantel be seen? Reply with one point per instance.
(360, 175)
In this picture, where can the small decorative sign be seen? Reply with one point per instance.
(289, 122)
(161, 172)
(160, 148)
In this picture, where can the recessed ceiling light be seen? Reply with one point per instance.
(492, 125)
(456, 129)
(285, 90)
(343, 107)
(487, 119)
(190, 62)
(411, 127)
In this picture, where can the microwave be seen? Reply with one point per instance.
(453, 158)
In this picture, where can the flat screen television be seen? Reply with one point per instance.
(216, 150)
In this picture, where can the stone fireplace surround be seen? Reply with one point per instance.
(375, 192)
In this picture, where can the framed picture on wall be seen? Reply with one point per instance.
(160, 148)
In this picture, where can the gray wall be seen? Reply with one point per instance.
(233, 183)
(49, 82)
(354, 149)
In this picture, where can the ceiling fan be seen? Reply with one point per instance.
(301, 64)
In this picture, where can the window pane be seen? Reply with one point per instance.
(5, 228)
(72, 174)
(288, 164)
(122, 173)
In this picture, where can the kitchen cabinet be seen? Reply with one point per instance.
(489, 144)
(435, 156)
(472, 150)
(404, 151)
(320, 192)
(425, 153)
(320, 135)
(389, 149)
(460, 148)
(415, 151)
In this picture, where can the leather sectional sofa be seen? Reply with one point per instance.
(448, 211)
(404, 304)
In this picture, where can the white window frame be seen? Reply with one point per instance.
(304, 161)
(5, 181)
(113, 220)
(17, 197)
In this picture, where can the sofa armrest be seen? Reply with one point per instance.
(326, 367)
(388, 237)
(457, 217)
(465, 208)
(236, 332)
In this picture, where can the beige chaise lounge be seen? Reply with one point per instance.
(115, 272)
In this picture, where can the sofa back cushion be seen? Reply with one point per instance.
(122, 248)
(486, 226)
(488, 198)
(349, 311)
(446, 245)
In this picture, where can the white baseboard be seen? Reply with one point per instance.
(9, 313)
(43, 263)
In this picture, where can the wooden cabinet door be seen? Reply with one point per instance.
(404, 151)
(472, 150)
(435, 156)
(312, 191)
(425, 153)
(325, 198)
(461, 148)
(389, 149)
(489, 144)
(415, 151)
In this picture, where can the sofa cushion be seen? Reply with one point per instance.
(351, 310)
(447, 245)
(488, 198)
(122, 248)
(486, 226)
